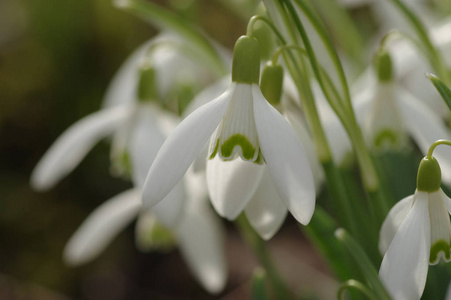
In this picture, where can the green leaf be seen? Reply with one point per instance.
(444, 91)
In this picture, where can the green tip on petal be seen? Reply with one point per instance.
(383, 65)
(147, 86)
(436, 248)
(271, 83)
(246, 61)
(429, 175)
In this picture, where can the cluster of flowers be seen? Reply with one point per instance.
(248, 150)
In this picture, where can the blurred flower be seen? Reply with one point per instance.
(197, 232)
(416, 231)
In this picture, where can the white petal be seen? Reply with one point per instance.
(405, 265)
(440, 228)
(307, 141)
(146, 139)
(426, 127)
(447, 201)
(182, 147)
(266, 211)
(99, 229)
(122, 88)
(231, 184)
(392, 222)
(286, 159)
(169, 210)
(70, 148)
(201, 243)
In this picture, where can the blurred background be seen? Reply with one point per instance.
(56, 60)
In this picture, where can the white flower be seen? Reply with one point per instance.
(121, 107)
(247, 126)
(197, 232)
(416, 233)
(415, 117)
(241, 123)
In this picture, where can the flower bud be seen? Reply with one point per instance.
(147, 85)
(246, 61)
(271, 83)
(383, 65)
(429, 175)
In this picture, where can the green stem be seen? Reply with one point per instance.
(354, 284)
(264, 257)
(435, 144)
(435, 58)
(161, 17)
(366, 267)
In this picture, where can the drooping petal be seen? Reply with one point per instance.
(446, 200)
(182, 147)
(266, 211)
(145, 139)
(306, 141)
(70, 148)
(201, 244)
(169, 210)
(392, 222)
(426, 127)
(231, 184)
(99, 229)
(440, 228)
(286, 159)
(405, 265)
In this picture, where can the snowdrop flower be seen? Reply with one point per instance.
(197, 232)
(237, 185)
(416, 233)
(242, 123)
(408, 115)
(121, 106)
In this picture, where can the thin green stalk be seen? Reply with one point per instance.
(258, 246)
(339, 200)
(362, 260)
(321, 31)
(435, 58)
(357, 285)
(166, 19)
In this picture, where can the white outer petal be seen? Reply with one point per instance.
(169, 210)
(392, 222)
(286, 159)
(266, 211)
(405, 265)
(99, 229)
(145, 141)
(231, 184)
(70, 148)
(307, 141)
(201, 244)
(182, 147)
(426, 127)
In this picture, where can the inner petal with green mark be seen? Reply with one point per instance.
(440, 229)
(237, 134)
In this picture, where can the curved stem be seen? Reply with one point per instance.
(354, 284)
(163, 18)
(435, 144)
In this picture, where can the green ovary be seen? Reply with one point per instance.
(436, 248)
(238, 140)
(384, 136)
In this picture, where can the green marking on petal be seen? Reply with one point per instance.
(215, 150)
(260, 159)
(439, 246)
(384, 136)
(247, 148)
